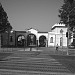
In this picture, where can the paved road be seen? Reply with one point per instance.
(36, 63)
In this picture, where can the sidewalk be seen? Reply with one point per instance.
(70, 51)
(32, 49)
(61, 51)
(9, 50)
(51, 50)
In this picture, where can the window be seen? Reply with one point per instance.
(11, 39)
(51, 40)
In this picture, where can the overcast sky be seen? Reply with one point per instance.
(37, 14)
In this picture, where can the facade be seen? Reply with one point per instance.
(35, 38)
(58, 35)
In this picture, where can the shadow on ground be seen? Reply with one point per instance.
(67, 61)
(4, 55)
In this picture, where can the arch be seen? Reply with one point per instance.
(31, 40)
(42, 41)
(20, 40)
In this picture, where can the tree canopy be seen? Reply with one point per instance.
(67, 13)
(4, 23)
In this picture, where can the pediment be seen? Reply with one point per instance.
(32, 30)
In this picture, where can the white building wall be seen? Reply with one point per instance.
(33, 31)
(57, 30)
(54, 30)
(57, 38)
(42, 34)
(64, 40)
(51, 34)
(58, 35)
(55, 34)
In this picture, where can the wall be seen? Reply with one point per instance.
(4, 39)
(55, 34)
(44, 34)
(33, 31)
(12, 43)
(58, 35)
(51, 34)
(38, 34)
(57, 30)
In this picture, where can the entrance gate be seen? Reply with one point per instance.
(20, 41)
(42, 41)
(31, 40)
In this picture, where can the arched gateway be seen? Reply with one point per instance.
(42, 41)
(21, 41)
(31, 40)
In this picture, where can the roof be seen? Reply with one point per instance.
(21, 31)
(42, 32)
(30, 29)
(58, 25)
(51, 32)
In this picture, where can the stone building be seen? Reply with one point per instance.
(58, 35)
(34, 37)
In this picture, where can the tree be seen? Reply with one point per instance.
(4, 23)
(70, 1)
(67, 13)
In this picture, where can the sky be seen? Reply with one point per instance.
(38, 14)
